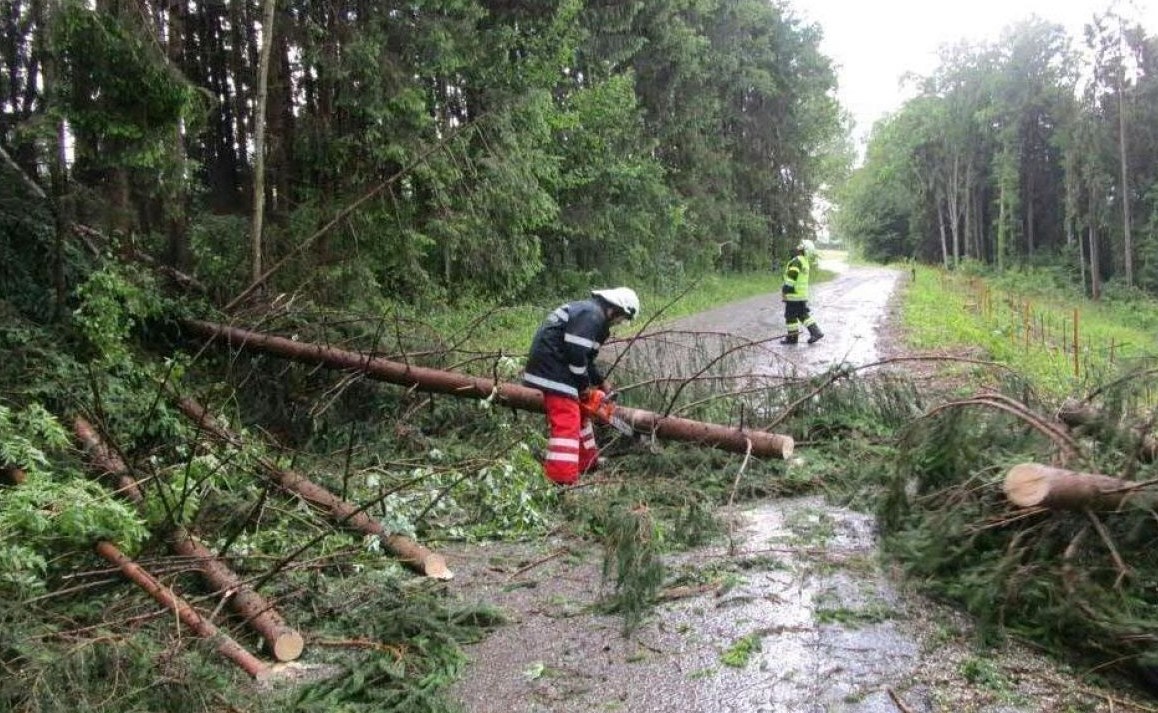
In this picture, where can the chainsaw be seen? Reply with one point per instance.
(599, 404)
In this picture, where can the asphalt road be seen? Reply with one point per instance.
(851, 310)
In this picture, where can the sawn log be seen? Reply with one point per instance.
(408, 551)
(1035, 484)
(204, 628)
(283, 641)
(736, 440)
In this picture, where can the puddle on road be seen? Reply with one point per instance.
(802, 582)
(826, 620)
(803, 590)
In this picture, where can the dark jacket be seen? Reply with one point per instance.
(562, 358)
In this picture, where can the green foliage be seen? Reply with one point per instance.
(115, 85)
(1027, 320)
(55, 510)
(114, 302)
(26, 231)
(741, 652)
(506, 498)
(632, 545)
(421, 636)
(131, 673)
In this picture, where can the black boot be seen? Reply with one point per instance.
(790, 338)
(814, 334)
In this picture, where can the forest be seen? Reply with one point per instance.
(407, 151)
(1035, 150)
(410, 181)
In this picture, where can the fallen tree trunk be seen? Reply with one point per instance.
(285, 642)
(226, 646)
(758, 443)
(1034, 484)
(104, 458)
(344, 512)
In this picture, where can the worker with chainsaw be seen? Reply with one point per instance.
(561, 364)
(794, 293)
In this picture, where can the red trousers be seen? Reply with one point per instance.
(571, 447)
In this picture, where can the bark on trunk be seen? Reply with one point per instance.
(107, 460)
(1034, 484)
(226, 646)
(12, 475)
(345, 513)
(282, 639)
(759, 443)
(285, 643)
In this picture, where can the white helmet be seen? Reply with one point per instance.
(807, 247)
(622, 298)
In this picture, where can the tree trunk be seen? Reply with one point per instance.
(1127, 238)
(736, 440)
(283, 640)
(1034, 484)
(107, 460)
(1095, 262)
(259, 141)
(12, 475)
(345, 513)
(204, 628)
(285, 643)
(176, 212)
(941, 229)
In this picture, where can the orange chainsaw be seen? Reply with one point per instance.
(599, 404)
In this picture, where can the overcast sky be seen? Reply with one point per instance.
(874, 42)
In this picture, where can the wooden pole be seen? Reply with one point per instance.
(736, 440)
(1034, 485)
(344, 512)
(226, 646)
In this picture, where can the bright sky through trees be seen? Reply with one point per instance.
(875, 43)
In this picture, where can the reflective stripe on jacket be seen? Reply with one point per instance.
(795, 287)
(562, 357)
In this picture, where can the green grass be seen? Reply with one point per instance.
(1028, 326)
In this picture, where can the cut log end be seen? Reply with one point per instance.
(288, 646)
(434, 566)
(787, 446)
(1034, 484)
(1026, 485)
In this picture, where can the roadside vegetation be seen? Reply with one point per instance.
(1001, 359)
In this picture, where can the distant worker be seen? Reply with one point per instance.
(794, 292)
(561, 364)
